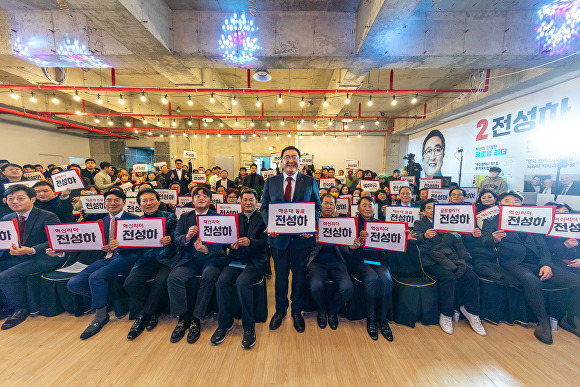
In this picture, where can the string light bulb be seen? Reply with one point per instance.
(189, 101)
(282, 122)
(334, 138)
(279, 98)
(358, 136)
(277, 137)
(377, 122)
(258, 104)
(325, 103)
(268, 124)
(211, 98)
(219, 134)
(164, 99)
(315, 125)
(99, 100)
(252, 123)
(173, 123)
(370, 103)
(149, 133)
(54, 99)
(265, 137)
(347, 100)
(173, 135)
(76, 96)
(145, 121)
(13, 94)
(207, 136)
(204, 123)
(298, 126)
(289, 135)
(136, 131)
(234, 101)
(236, 123)
(230, 136)
(302, 102)
(158, 122)
(97, 120)
(394, 101)
(143, 98)
(254, 134)
(346, 125)
(127, 124)
(414, 100)
(32, 97)
(110, 122)
(121, 100)
(221, 124)
(347, 138)
(362, 125)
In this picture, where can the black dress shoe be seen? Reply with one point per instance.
(321, 320)
(249, 339)
(386, 330)
(17, 317)
(333, 321)
(569, 325)
(220, 335)
(276, 320)
(94, 328)
(138, 327)
(152, 323)
(299, 324)
(544, 331)
(179, 331)
(194, 331)
(372, 329)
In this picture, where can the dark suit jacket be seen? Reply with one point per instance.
(35, 237)
(230, 184)
(305, 190)
(215, 255)
(423, 243)
(573, 190)
(167, 255)
(183, 182)
(255, 253)
(512, 249)
(129, 254)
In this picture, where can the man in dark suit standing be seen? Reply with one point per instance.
(247, 265)
(569, 187)
(29, 258)
(290, 251)
(224, 181)
(180, 175)
(254, 180)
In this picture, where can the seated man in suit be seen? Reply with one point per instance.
(29, 258)
(93, 281)
(224, 181)
(527, 257)
(196, 259)
(248, 262)
(329, 262)
(153, 263)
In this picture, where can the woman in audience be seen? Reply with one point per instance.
(232, 196)
(383, 200)
(151, 176)
(90, 189)
(344, 191)
(486, 199)
(123, 178)
(356, 181)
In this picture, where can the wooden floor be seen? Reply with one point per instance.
(47, 351)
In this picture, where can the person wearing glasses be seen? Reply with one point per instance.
(433, 153)
(493, 182)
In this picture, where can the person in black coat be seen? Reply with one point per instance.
(179, 174)
(254, 180)
(247, 265)
(27, 258)
(224, 181)
(60, 205)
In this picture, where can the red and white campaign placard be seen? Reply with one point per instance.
(144, 232)
(228, 208)
(93, 204)
(402, 214)
(247, 164)
(37, 176)
(28, 183)
(327, 182)
(430, 183)
(341, 179)
(168, 196)
(9, 234)
(140, 167)
(291, 218)
(199, 178)
(67, 179)
(410, 179)
(337, 231)
(268, 174)
(218, 198)
(454, 217)
(386, 236)
(182, 210)
(189, 154)
(395, 186)
(343, 206)
(486, 214)
(218, 229)
(439, 194)
(132, 207)
(352, 164)
(472, 193)
(154, 183)
(126, 187)
(535, 220)
(354, 210)
(184, 200)
(276, 157)
(307, 159)
(370, 185)
(566, 226)
(160, 164)
(83, 236)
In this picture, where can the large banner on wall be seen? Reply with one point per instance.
(525, 137)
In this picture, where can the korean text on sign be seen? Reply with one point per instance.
(276, 157)
(189, 154)
(370, 185)
(291, 218)
(218, 229)
(410, 179)
(140, 232)
(395, 186)
(307, 159)
(566, 226)
(168, 196)
(402, 214)
(93, 204)
(472, 193)
(337, 231)
(182, 210)
(486, 214)
(268, 174)
(67, 179)
(535, 220)
(9, 234)
(140, 167)
(327, 183)
(439, 194)
(454, 217)
(199, 178)
(386, 236)
(430, 183)
(218, 198)
(132, 206)
(352, 164)
(343, 206)
(228, 208)
(76, 236)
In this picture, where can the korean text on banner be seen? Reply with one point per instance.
(228, 208)
(535, 220)
(370, 185)
(218, 229)
(337, 231)
(327, 183)
(343, 206)
(291, 218)
(168, 196)
(566, 226)
(439, 194)
(198, 178)
(395, 186)
(472, 193)
(430, 183)
(137, 233)
(84, 236)
(386, 236)
(67, 179)
(93, 204)
(454, 217)
(402, 214)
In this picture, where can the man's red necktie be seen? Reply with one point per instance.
(288, 190)
(21, 226)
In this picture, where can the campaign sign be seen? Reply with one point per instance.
(386, 236)
(154, 183)
(189, 154)
(247, 164)
(132, 207)
(327, 183)
(145, 232)
(131, 194)
(160, 164)
(94, 204)
(37, 176)
(218, 229)
(341, 179)
(566, 226)
(168, 196)
(140, 167)
(184, 200)
(535, 220)
(395, 186)
(83, 236)
(126, 187)
(370, 185)
(410, 179)
(9, 234)
(486, 214)
(268, 173)
(454, 217)
(67, 179)
(472, 193)
(402, 214)
(291, 218)
(430, 183)
(28, 183)
(337, 231)
(354, 210)
(307, 159)
(182, 210)
(218, 198)
(352, 164)
(228, 208)
(343, 206)
(276, 157)
(439, 194)
(198, 178)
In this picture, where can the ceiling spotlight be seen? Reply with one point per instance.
(258, 102)
(325, 103)
(414, 100)
(222, 124)
(127, 123)
(236, 123)
(370, 103)
(315, 125)
(54, 99)
(282, 123)
(279, 98)
(121, 100)
(173, 123)
(164, 99)
(97, 120)
(219, 134)
(347, 100)
(377, 122)
(347, 138)
(99, 100)
(262, 75)
(76, 96)
(136, 131)
(211, 98)
(173, 135)
(252, 123)
(143, 98)
(144, 121)
(394, 101)
(268, 124)
(234, 102)
(149, 133)
(302, 102)
(32, 97)
(254, 134)
(189, 101)
(362, 125)
(277, 137)
(13, 94)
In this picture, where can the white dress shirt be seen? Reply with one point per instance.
(293, 183)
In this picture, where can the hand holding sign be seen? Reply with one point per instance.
(8, 234)
(218, 229)
(67, 179)
(454, 217)
(291, 218)
(136, 233)
(535, 220)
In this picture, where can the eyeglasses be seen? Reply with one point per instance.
(293, 157)
(16, 199)
(436, 151)
(233, 197)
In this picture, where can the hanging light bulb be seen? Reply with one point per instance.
(97, 120)
(143, 98)
(325, 103)
(279, 98)
(394, 101)
(315, 125)
(243, 137)
(258, 104)
(207, 136)
(277, 137)
(334, 138)
(347, 138)
(268, 124)
(32, 97)
(254, 134)
(302, 102)
(136, 131)
(329, 122)
(282, 123)
(234, 101)
(230, 137)
(194, 136)
(110, 122)
(358, 136)
(204, 123)
(414, 100)
(347, 100)
(158, 122)
(54, 99)
(362, 125)
(13, 94)
(265, 137)
(173, 135)
(313, 137)
(99, 100)
(184, 134)
(219, 134)
(370, 103)
(300, 137)
(149, 133)
(189, 101)
(236, 123)
(211, 98)
(121, 100)
(377, 122)
(298, 126)
(127, 124)
(289, 135)
(252, 123)
(76, 96)
(323, 134)
(346, 125)
(164, 99)
(173, 123)
(221, 124)
(144, 121)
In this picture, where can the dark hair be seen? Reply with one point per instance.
(434, 133)
(289, 148)
(254, 165)
(244, 168)
(345, 186)
(146, 183)
(327, 195)
(484, 191)
(29, 166)
(250, 191)
(396, 171)
(380, 191)
(409, 188)
(117, 192)
(49, 166)
(38, 165)
(20, 187)
(74, 165)
(174, 183)
(559, 205)
(141, 193)
(225, 170)
(195, 190)
(428, 201)
(43, 183)
(92, 186)
(51, 170)
(216, 167)
(233, 190)
(10, 165)
(325, 169)
(331, 169)
(425, 189)
(178, 160)
(463, 192)
(322, 188)
(93, 160)
(369, 198)
(4, 161)
(357, 189)
(105, 164)
(498, 170)
(513, 193)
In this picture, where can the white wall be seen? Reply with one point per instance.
(24, 140)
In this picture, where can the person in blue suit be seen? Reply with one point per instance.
(291, 252)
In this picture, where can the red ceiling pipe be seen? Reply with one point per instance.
(83, 106)
(46, 119)
(249, 79)
(169, 108)
(113, 83)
